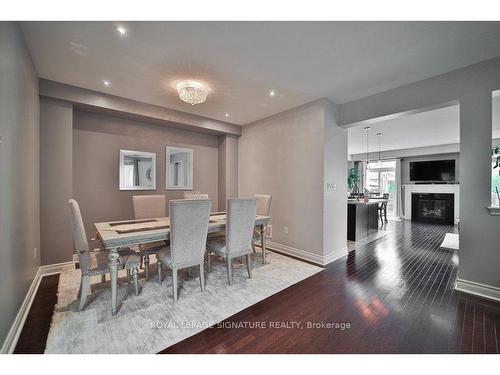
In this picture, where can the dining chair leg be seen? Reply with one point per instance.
(174, 282)
(202, 277)
(128, 276)
(229, 271)
(249, 265)
(135, 275)
(141, 262)
(79, 290)
(159, 272)
(103, 278)
(146, 266)
(85, 285)
(253, 247)
(209, 262)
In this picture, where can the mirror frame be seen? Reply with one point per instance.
(168, 150)
(144, 154)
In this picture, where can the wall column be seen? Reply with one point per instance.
(228, 169)
(479, 231)
(56, 180)
(334, 186)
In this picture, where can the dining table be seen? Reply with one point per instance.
(115, 235)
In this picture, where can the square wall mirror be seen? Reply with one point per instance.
(179, 168)
(137, 170)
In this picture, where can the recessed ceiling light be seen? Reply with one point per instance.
(272, 93)
(106, 83)
(121, 29)
(226, 114)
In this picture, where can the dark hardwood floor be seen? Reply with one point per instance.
(36, 328)
(395, 293)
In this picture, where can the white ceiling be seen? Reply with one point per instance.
(242, 61)
(431, 128)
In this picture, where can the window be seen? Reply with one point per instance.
(495, 184)
(495, 149)
(381, 179)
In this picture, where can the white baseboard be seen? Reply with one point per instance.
(306, 255)
(333, 256)
(51, 269)
(10, 342)
(480, 290)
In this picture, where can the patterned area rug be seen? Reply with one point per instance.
(152, 321)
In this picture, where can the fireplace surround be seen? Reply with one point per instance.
(432, 208)
(410, 189)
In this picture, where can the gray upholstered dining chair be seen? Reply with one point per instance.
(197, 195)
(96, 263)
(239, 233)
(188, 236)
(148, 207)
(263, 209)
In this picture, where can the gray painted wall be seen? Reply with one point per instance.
(56, 180)
(284, 155)
(19, 194)
(97, 140)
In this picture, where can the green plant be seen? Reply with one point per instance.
(352, 178)
(495, 151)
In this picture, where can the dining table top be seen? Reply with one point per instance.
(115, 234)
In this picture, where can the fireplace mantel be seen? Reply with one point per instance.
(431, 188)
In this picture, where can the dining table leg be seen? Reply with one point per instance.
(113, 268)
(263, 242)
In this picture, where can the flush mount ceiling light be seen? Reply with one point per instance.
(192, 92)
(106, 83)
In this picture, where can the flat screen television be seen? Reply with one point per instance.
(432, 171)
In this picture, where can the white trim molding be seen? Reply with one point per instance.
(480, 290)
(51, 269)
(435, 189)
(306, 255)
(494, 210)
(333, 256)
(10, 342)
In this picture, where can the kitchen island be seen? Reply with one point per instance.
(362, 218)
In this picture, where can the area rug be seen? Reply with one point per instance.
(450, 242)
(152, 321)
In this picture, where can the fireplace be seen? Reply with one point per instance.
(432, 208)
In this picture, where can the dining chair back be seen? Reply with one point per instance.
(263, 204)
(190, 195)
(240, 225)
(79, 237)
(149, 206)
(188, 230)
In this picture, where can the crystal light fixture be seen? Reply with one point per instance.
(367, 129)
(379, 161)
(192, 92)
